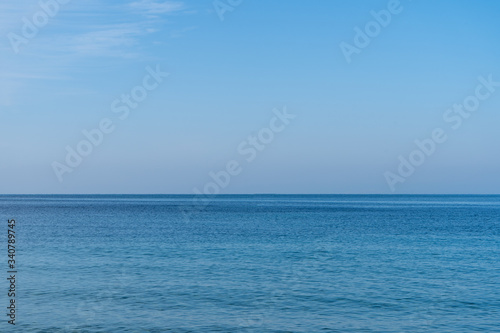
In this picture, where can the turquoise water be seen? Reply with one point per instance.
(254, 263)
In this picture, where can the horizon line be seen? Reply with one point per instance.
(256, 194)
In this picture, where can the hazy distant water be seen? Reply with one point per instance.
(255, 264)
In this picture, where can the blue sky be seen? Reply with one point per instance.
(353, 120)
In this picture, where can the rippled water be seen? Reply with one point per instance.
(255, 263)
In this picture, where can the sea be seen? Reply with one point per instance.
(251, 263)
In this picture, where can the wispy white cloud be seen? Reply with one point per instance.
(154, 7)
(33, 76)
(70, 32)
(110, 40)
(94, 28)
(119, 39)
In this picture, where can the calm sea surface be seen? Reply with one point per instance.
(265, 263)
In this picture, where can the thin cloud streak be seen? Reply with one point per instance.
(153, 7)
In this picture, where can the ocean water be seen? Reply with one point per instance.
(262, 263)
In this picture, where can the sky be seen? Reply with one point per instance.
(231, 96)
